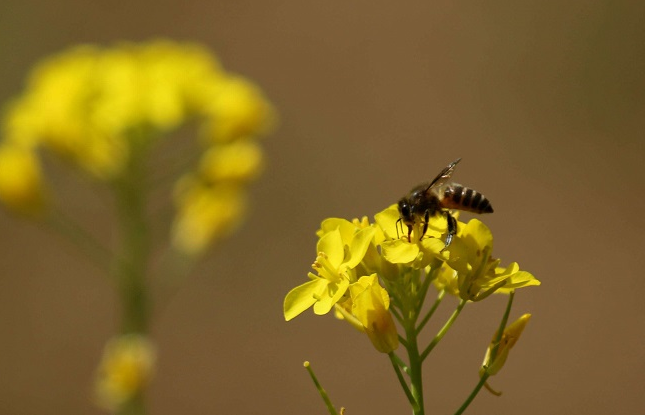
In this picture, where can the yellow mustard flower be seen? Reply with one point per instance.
(103, 109)
(416, 253)
(370, 304)
(356, 256)
(493, 363)
(238, 161)
(21, 187)
(238, 110)
(338, 256)
(125, 369)
(205, 213)
(478, 274)
(446, 279)
(372, 260)
(88, 103)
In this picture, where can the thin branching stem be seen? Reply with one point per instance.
(396, 315)
(502, 325)
(400, 362)
(473, 394)
(395, 364)
(83, 240)
(496, 341)
(435, 267)
(443, 330)
(321, 390)
(430, 312)
(403, 341)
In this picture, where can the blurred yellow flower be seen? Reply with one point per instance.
(87, 103)
(102, 109)
(239, 161)
(21, 187)
(125, 369)
(206, 213)
(238, 110)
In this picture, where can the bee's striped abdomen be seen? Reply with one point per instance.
(459, 197)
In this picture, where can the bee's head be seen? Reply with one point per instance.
(405, 211)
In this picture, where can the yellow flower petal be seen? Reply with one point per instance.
(360, 242)
(332, 245)
(302, 297)
(399, 251)
(331, 295)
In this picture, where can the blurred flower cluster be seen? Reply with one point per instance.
(99, 108)
(105, 112)
(377, 279)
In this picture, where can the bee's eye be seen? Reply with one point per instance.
(404, 208)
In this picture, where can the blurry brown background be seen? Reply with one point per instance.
(543, 100)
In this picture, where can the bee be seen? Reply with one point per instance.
(427, 200)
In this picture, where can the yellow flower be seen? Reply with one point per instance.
(239, 161)
(238, 110)
(338, 256)
(415, 253)
(103, 110)
(370, 304)
(478, 274)
(21, 187)
(493, 363)
(447, 280)
(125, 369)
(205, 214)
(89, 104)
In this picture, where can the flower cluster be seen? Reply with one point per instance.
(101, 108)
(369, 273)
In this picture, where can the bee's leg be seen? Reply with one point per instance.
(409, 233)
(399, 223)
(426, 218)
(452, 229)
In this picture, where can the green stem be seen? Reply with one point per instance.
(502, 325)
(435, 267)
(415, 365)
(473, 394)
(81, 238)
(443, 330)
(400, 362)
(396, 314)
(434, 307)
(321, 391)
(403, 341)
(131, 261)
(496, 340)
(396, 361)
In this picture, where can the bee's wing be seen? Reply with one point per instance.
(444, 175)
